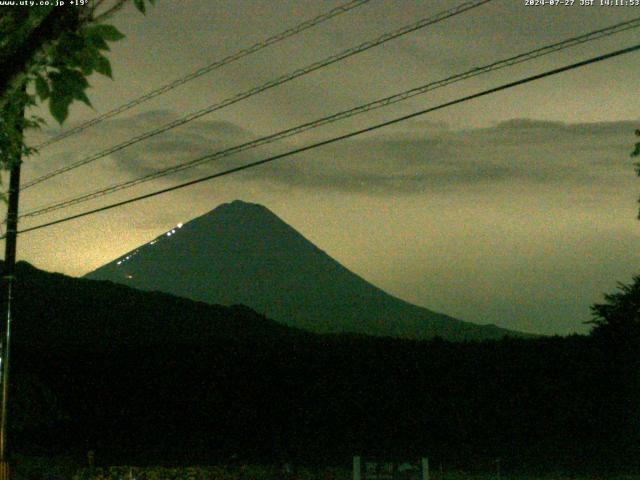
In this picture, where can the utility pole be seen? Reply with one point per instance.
(8, 277)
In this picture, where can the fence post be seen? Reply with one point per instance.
(425, 468)
(356, 468)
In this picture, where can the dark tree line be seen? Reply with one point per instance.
(147, 378)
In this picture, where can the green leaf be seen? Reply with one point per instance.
(97, 42)
(103, 66)
(106, 32)
(140, 5)
(87, 58)
(76, 79)
(67, 82)
(83, 98)
(59, 107)
(42, 88)
(636, 152)
(68, 46)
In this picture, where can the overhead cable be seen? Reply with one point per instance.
(352, 134)
(514, 60)
(266, 86)
(206, 69)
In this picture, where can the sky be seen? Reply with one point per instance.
(517, 209)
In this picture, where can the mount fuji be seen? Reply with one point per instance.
(242, 253)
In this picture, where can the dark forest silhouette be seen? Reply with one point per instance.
(144, 377)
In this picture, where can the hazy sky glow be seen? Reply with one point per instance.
(516, 209)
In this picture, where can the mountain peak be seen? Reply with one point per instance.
(241, 209)
(240, 205)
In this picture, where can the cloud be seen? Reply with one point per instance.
(151, 155)
(424, 156)
(518, 151)
(182, 144)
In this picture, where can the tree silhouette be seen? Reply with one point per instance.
(616, 334)
(619, 315)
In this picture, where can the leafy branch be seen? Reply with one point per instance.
(47, 56)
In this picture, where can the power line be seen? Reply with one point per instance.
(208, 68)
(266, 86)
(247, 166)
(524, 57)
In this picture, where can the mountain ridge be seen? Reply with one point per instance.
(106, 314)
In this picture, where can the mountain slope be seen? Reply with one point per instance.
(56, 310)
(241, 253)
